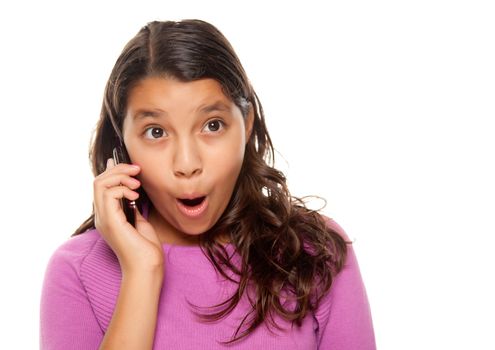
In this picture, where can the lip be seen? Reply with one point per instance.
(192, 212)
(191, 195)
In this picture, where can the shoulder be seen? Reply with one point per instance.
(333, 225)
(351, 267)
(79, 254)
(84, 270)
(344, 311)
(72, 252)
(348, 276)
(65, 303)
(62, 284)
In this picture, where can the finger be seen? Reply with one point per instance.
(109, 208)
(120, 179)
(109, 200)
(110, 163)
(130, 182)
(119, 192)
(122, 168)
(116, 176)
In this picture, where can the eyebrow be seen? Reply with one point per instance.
(143, 113)
(214, 107)
(217, 106)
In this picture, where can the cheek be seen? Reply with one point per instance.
(152, 174)
(226, 162)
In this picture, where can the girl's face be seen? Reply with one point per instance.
(189, 140)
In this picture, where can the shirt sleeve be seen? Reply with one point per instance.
(67, 320)
(344, 315)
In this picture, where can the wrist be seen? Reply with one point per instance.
(143, 273)
(142, 264)
(147, 282)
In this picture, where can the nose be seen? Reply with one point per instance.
(187, 160)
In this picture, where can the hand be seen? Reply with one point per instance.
(138, 249)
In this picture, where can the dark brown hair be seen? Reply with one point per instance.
(287, 251)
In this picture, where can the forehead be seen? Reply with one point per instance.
(169, 94)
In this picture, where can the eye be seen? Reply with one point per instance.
(154, 133)
(214, 125)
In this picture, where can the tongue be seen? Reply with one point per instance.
(192, 202)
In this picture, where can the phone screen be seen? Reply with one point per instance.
(119, 156)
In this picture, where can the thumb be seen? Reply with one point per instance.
(139, 217)
(145, 229)
(110, 163)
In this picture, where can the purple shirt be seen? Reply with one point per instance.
(82, 284)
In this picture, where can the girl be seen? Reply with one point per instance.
(220, 254)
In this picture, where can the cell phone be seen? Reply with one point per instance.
(120, 156)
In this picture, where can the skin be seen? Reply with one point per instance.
(181, 150)
(184, 149)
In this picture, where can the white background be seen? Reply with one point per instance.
(384, 108)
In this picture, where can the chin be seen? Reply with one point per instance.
(194, 230)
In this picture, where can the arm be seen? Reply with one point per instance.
(140, 256)
(134, 319)
(67, 320)
(344, 315)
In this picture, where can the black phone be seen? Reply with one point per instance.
(120, 156)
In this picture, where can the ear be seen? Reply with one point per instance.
(248, 123)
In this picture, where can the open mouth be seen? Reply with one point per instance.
(193, 208)
(192, 202)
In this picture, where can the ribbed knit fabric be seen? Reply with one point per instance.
(82, 283)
